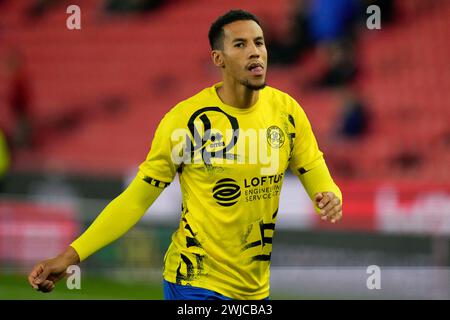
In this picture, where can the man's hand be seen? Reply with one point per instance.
(329, 205)
(46, 273)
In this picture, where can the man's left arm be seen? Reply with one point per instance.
(323, 191)
(308, 164)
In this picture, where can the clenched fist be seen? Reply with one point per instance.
(330, 206)
(46, 273)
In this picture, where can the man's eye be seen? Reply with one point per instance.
(259, 43)
(239, 45)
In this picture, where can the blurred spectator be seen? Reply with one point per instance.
(4, 158)
(325, 23)
(406, 161)
(18, 98)
(332, 26)
(353, 124)
(286, 51)
(340, 64)
(117, 6)
(354, 117)
(39, 7)
(330, 20)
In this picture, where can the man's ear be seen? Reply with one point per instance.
(217, 58)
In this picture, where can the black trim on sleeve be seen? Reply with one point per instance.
(291, 120)
(156, 183)
(302, 170)
(261, 257)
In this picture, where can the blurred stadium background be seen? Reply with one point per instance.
(78, 109)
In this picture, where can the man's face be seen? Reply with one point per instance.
(244, 54)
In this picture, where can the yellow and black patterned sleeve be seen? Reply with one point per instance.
(305, 154)
(307, 161)
(159, 168)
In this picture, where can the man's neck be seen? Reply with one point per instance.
(237, 95)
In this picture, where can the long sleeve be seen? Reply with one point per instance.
(118, 217)
(317, 180)
(307, 161)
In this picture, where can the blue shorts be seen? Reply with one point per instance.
(174, 291)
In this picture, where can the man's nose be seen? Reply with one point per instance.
(254, 51)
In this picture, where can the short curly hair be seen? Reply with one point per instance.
(215, 33)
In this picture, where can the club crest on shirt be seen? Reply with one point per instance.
(275, 137)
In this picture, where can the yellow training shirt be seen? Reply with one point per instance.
(231, 164)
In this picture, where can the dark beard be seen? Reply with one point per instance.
(253, 87)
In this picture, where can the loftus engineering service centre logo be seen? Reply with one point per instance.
(226, 192)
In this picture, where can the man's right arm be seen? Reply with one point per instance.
(155, 173)
(117, 218)
(114, 221)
